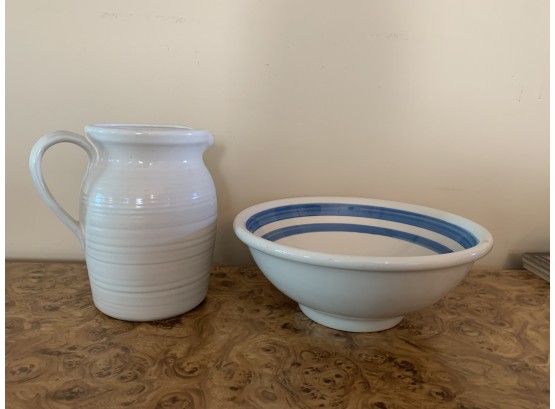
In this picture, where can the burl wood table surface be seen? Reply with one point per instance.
(485, 345)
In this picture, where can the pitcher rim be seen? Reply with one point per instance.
(148, 133)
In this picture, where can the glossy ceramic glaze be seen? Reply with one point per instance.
(360, 264)
(147, 216)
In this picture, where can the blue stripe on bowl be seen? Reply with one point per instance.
(450, 230)
(356, 228)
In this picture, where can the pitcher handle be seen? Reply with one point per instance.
(35, 166)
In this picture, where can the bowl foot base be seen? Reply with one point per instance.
(349, 324)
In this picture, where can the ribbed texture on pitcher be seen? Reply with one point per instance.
(149, 261)
(149, 213)
(147, 217)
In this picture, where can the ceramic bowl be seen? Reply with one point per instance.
(357, 264)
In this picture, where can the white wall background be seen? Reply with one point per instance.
(442, 103)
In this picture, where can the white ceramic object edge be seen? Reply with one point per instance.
(365, 262)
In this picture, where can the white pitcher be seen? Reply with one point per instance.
(147, 217)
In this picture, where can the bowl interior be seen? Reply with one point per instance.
(360, 230)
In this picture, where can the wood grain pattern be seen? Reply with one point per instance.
(485, 345)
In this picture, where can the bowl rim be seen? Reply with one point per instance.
(353, 262)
